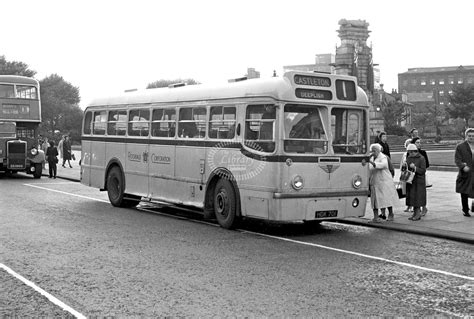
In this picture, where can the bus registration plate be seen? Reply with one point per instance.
(325, 213)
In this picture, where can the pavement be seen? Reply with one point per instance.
(443, 220)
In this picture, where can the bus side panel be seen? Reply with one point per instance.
(86, 163)
(116, 151)
(257, 187)
(189, 161)
(162, 171)
(97, 164)
(136, 168)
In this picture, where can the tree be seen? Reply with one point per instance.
(462, 103)
(60, 111)
(393, 113)
(165, 83)
(15, 68)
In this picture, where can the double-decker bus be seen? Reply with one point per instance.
(20, 116)
(285, 149)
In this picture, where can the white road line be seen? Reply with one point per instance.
(302, 243)
(66, 193)
(362, 255)
(51, 298)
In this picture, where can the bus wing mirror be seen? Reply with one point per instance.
(238, 129)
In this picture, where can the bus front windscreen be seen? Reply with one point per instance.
(304, 131)
(348, 131)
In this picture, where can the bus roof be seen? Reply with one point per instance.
(18, 79)
(279, 88)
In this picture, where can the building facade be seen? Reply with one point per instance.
(428, 90)
(437, 82)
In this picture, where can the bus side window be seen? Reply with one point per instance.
(100, 122)
(259, 127)
(192, 122)
(138, 122)
(222, 122)
(163, 123)
(87, 123)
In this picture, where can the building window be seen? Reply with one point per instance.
(470, 80)
(432, 81)
(450, 92)
(405, 83)
(441, 103)
(413, 82)
(451, 80)
(441, 93)
(423, 82)
(441, 81)
(460, 81)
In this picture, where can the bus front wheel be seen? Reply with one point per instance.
(225, 204)
(116, 188)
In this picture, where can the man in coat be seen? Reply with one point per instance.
(465, 178)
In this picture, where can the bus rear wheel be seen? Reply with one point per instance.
(116, 188)
(225, 204)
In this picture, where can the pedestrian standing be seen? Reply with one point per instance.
(412, 134)
(52, 158)
(67, 151)
(417, 142)
(382, 140)
(60, 148)
(416, 190)
(383, 194)
(465, 178)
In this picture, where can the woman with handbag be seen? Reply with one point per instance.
(382, 190)
(52, 157)
(416, 190)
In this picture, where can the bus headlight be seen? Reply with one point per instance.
(356, 181)
(34, 151)
(297, 182)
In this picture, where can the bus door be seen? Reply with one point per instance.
(137, 152)
(349, 143)
(94, 156)
(191, 152)
(161, 159)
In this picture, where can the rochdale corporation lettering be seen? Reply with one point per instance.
(160, 159)
(134, 157)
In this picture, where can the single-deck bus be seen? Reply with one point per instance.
(20, 116)
(287, 149)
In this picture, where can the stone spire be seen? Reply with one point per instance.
(354, 56)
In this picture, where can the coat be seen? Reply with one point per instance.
(416, 191)
(464, 181)
(382, 189)
(51, 154)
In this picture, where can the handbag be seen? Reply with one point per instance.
(401, 189)
(56, 160)
(407, 176)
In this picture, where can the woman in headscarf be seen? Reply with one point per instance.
(382, 189)
(416, 190)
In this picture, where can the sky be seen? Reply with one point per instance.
(105, 47)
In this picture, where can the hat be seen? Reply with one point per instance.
(412, 147)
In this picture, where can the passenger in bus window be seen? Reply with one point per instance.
(309, 127)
